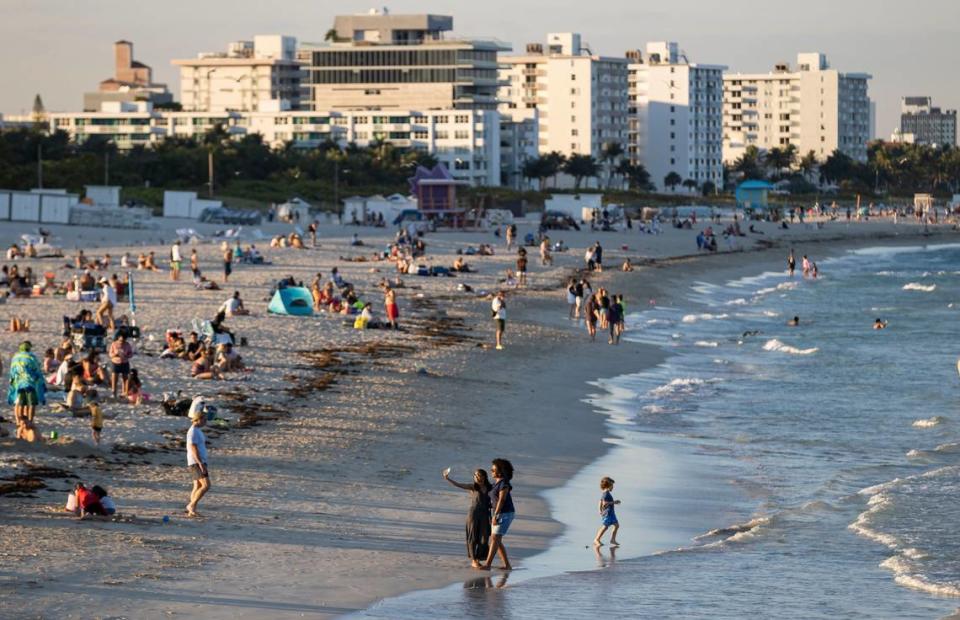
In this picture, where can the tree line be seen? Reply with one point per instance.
(244, 165)
(891, 168)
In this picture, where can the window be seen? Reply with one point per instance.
(461, 134)
(462, 118)
(574, 132)
(441, 135)
(573, 119)
(573, 77)
(421, 135)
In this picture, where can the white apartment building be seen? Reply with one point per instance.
(383, 62)
(580, 99)
(262, 74)
(675, 117)
(813, 107)
(467, 142)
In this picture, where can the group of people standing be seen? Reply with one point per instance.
(490, 515)
(599, 308)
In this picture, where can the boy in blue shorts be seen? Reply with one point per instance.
(608, 517)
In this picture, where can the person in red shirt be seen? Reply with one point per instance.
(88, 502)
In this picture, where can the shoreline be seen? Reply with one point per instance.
(357, 549)
(660, 531)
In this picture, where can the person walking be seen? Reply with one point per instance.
(499, 309)
(791, 263)
(503, 511)
(608, 516)
(27, 389)
(108, 300)
(197, 457)
(521, 267)
(478, 517)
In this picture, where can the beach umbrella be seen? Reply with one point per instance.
(132, 299)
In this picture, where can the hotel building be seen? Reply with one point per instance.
(675, 116)
(262, 74)
(813, 107)
(467, 142)
(578, 98)
(926, 124)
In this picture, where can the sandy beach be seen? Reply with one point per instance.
(327, 493)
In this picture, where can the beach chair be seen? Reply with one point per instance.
(89, 338)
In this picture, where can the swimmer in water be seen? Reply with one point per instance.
(794, 322)
(747, 334)
(878, 324)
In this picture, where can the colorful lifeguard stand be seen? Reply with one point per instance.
(436, 193)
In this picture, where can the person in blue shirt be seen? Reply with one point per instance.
(608, 516)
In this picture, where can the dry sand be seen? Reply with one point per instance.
(326, 488)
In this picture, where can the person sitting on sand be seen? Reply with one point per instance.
(151, 262)
(794, 322)
(219, 328)
(227, 359)
(50, 363)
(142, 261)
(461, 266)
(87, 281)
(106, 502)
(135, 393)
(93, 372)
(204, 368)
(234, 306)
(879, 324)
(626, 265)
(88, 503)
(175, 346)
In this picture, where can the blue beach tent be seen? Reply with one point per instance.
(294, 300)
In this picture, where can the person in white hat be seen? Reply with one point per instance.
(108, 299)
(197, 457)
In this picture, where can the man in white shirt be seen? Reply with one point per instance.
(499, 309)
(108, 299)
(197, 459)
(175, 260)
(234, 306)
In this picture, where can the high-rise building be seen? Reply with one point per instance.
(132, 81)
(379, 61)
(675, 117)
(579, 98)
(927, 124)
(467, 142)
(812, 107)
(262, 74)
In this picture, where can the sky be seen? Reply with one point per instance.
(61, 48)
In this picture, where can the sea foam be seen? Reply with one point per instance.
(928, 422)
(776, 345)
(916, 286)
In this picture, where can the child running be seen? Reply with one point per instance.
(608, 516)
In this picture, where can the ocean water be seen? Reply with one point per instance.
(800, 472)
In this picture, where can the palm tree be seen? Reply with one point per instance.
(808, 163)
(750, 164)
(690, 184)
(581, 167)
(636, 175)
(611, 155)
(553, 163)
(672, 180)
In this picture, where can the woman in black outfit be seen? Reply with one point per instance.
(478, 518)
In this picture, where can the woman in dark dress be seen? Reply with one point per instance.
(478, 518)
